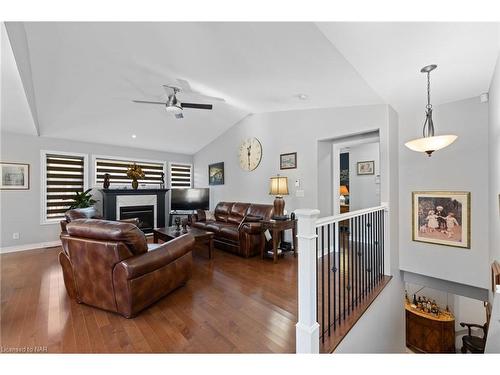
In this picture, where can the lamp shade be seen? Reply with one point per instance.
(431, 144)
(278, 186)
(343, 190)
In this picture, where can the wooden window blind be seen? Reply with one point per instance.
(64, 177)
(180, 176)
(117, 170)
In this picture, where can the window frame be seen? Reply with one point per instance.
(97, 185)
(191, 179)
(43, 182)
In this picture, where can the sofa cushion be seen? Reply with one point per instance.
(216, 226)
(105, 230)
(230, 233)
(201, 224)
(265, 211)
(237, 213)
(221, 211)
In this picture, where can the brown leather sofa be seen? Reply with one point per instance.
(87, 213)
(110, 265)
(236, 227)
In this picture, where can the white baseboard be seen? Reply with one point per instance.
(12, 249)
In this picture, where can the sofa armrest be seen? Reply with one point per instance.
(251, 228)
(164, 254)
(134, 221)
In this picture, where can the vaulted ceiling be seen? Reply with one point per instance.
(79, 79)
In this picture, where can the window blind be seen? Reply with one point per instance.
(64, 177)
(117, 170)
(180, 176)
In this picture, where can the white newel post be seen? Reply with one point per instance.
(307, 328)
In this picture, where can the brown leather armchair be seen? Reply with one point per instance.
(87, 213)
(236, 227)
(110, 265)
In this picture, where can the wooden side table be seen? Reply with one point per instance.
(277, 228)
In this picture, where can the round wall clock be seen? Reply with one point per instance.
(250, 154)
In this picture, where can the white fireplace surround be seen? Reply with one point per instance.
(137, 200)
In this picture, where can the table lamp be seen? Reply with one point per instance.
(343, 191)
(278, 187)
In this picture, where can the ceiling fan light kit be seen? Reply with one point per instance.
(429, 142)
(174, 106)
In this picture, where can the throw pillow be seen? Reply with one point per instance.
(209, 216)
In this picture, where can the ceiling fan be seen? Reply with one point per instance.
(173, 105)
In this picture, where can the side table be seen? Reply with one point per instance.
(277, 228)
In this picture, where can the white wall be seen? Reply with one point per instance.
(463, 166)
(494, 169)
(20, 210)
(364, 191)
(281, 132)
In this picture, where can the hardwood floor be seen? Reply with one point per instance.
(231, 304)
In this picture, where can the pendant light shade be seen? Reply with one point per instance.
(429, 142)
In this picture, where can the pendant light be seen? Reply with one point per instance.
(429, 142)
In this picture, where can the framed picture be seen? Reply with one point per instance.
(14, 176)
(288, 161)
(216, 174)
(366, 167)
(442, 218)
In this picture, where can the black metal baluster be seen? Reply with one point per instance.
(377, 241)
(371, 250)
(355, 260)
(328, 252)
(317, 279)
(339, 272)
(323, 281)
(365, 253)
(343, 269)
(383, 242)
(358, 273)
(334, 269)
(380, 235)
(351, 268)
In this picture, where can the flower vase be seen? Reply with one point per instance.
(135, 184)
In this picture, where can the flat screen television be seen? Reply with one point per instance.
(189, 199)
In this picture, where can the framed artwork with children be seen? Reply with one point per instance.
(441, 217)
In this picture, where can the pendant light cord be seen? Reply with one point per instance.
(428, 130)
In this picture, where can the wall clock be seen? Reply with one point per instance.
(250, 154)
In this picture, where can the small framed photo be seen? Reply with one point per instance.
(366, 167)
(288, 161)
(14, 176)
(216, 174)
(441, 218)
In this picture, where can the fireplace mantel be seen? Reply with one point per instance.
(109, 197)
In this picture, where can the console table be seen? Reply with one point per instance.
(277, 228)
(428, 333)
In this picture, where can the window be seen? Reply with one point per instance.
(117, 169)
(180, 175)
(63, 174)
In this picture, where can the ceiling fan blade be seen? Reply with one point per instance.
(148, 102)
(196, 106)
(179, 115)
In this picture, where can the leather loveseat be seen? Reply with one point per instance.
(110, 265)
(236, 227)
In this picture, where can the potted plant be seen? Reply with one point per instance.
(135, 173)
(83, 200)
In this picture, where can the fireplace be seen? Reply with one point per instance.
(145, 214)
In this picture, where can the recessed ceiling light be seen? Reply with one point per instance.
(134, 136)
(303, 96)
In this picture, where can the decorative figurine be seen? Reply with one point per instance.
(177, 222)
(184, 223)
(106, 182)
(162, 184)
